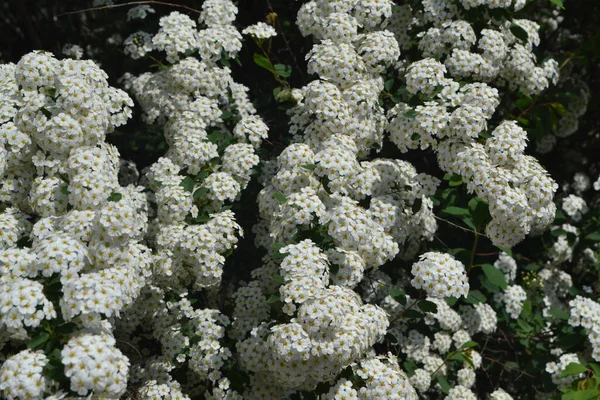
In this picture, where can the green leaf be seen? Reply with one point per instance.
(277, 90)
(594, 237)
(283, 70)
(278, 278)
(444, 385)
(277, 254)
(201, 219)
(187, 183)
(219, 138)
(451, 300)
(469, 222)
(596, 368)
(558, 108)
(199, 193)
(573, 369)
(480, 211)
(264, 62)
(455, 180)
(409, 366)
(310, 167)
(558, 3)
(524, 102)
(47, 113)
(38, 341)
(115, 197)
(388, 84)
(524, 325)
(559, 313)
(280, 197)
(273, 299)
(202, 175)
(411, 114)
(334, 269)
(581, 395)
(458, 211)
(391, 338)
(398, 295)
(475, 297)
(462, 357)
(519, 32)
(468, 345)
(64, 190)
(494, 275)
(417, 205)
(428, 306)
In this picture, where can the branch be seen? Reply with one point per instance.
(130, 3)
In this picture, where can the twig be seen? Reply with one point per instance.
(510, 368)
(473, 250)
(287, 44)
(564, 64)
(459, 227)
(130, 3)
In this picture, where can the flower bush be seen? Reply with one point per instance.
(326, 199)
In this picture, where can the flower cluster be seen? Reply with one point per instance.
(85, 260)
(93, 363)
(317, 184)
(453, 116)
(586, 313)
(213, 133)
(22, 376)
(119, 283)
(440, 275)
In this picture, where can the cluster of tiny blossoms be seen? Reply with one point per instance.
(212, 131)
(179, 34)
(449, 331)
(59, 192)
(318, 184)
(452, 118)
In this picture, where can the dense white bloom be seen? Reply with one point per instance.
(586, 313)
(440, 275)
(93, 363)
(556, 368)
(460, 392)
(23, 304)
(574, 206)
(138, 44)
(479, 318)
(500, 394)
(22, 375)
(177, 35)
(260, 30)
(507, 265)
(513, 298)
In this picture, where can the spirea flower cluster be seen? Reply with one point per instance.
(85, 263)
(407, 138)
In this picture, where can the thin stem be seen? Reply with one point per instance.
(272, 70)
(406, 309)
(458, 226)
(130, 3)
(287, 44)
(156, 60)
(473, 250)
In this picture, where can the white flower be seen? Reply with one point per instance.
(260, 30)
